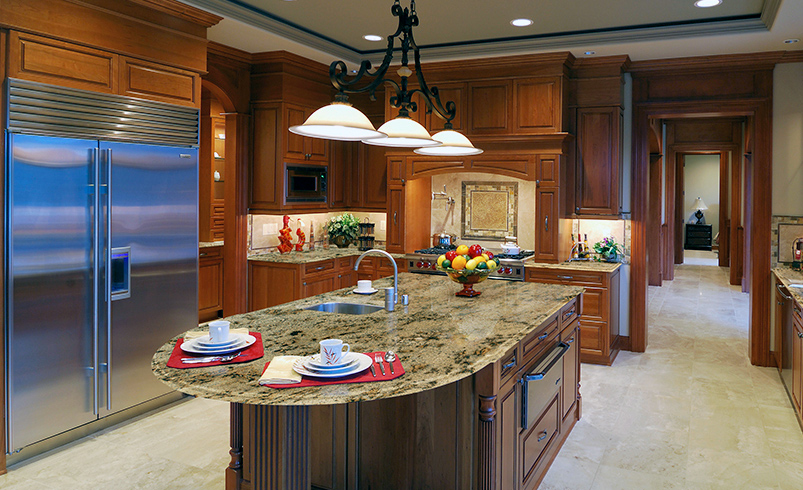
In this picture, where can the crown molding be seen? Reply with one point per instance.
(228, 52)
(186, 12)
(745, 61)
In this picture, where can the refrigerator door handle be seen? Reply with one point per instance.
(108, 168)
(97, 246)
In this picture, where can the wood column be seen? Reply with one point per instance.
(235, 232)
(486, 471)
(279, 450)
(234, 472)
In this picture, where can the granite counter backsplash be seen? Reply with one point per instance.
(314, 256)
(439, 337)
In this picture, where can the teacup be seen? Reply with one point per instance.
(219, 331)
(332, 351)
(364, 286)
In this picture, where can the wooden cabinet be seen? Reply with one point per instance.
(599, 322)
(366, 176)
(299, 147)
(46, 60)
(449, 92)
(598, 161)
(551, 227)
(797, 359)
(375, 267)
(211, 171)
(210, 283)
(519, 106)
(698, 237)
(408, 216)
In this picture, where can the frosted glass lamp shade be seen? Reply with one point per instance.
(403, 132)
(452, 143)
(337, 121)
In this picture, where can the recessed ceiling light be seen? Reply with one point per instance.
(589, 53)
(791, 41)
(521, 22)
(707, 3)
(372, 37)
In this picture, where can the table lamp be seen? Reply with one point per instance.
(700, 206)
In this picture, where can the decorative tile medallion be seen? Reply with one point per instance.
(489, 210)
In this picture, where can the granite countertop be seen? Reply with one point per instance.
(315, 256)
(789, 277)
(440, 338)
(218, 243)
(585, 265)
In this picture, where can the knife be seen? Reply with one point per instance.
(373, 371)
(201, 360)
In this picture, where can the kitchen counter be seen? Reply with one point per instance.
(440, 338)
(589, 265)
(314, 256)
(218, 243)
(789, 277)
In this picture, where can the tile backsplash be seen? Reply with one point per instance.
(597, 229)
(263, 229)
(780, 220)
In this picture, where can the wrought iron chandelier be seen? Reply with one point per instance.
(342, 121)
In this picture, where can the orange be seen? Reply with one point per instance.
(462, 250)
(459, 263)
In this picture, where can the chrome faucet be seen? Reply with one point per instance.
(395, 270)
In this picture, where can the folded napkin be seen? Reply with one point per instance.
(195, 335)
(280, 371)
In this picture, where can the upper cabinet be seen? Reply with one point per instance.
(519, 106)
(301, 147)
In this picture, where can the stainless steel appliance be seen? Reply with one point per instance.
(305, 183)
(511, 266)
(101, 253)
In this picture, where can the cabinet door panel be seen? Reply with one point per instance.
(395, 225)
(594, 302)
(319, 285)
(270, 285)
(597, 172)
(534, 443)
(537, 104)
(263, 175)
(374, 178)
(453, 93)
(294, 116)
(571, 372)
(159, 82)
(488, 107)
(592, 337)
(518, 167)
(509, 426)
(546, 224)
(547, 170)
(210, 291)
(797, 365)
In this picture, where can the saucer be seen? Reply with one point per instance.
(362, 363)
(369, 291)
(193, 347)
(314, 361)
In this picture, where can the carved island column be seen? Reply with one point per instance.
(487, 443)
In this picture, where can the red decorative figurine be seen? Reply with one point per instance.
(301, 236)
(285, 237)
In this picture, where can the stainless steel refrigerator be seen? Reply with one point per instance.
(101, 269)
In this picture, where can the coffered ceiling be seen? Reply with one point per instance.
(457, 29)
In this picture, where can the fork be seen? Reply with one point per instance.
(378, 359)
(200, 360)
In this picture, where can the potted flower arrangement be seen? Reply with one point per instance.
(343, 229)
(608, 250)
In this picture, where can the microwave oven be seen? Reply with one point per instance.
(305, 183)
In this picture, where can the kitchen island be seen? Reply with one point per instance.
(456, 419)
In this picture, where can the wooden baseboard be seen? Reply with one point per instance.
(624, 342)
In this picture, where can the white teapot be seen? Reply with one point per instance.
(511, 245)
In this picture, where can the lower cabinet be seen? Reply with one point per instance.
(275, 283)
(210, 283)
(797, 359)
(599, 323)
(488, 431)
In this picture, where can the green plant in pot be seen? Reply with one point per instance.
(343, 229)
(608, 250)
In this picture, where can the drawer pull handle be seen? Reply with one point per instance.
(546, 223)
(570, 340)
(568, 314)
(564, 277)
(509, 365)
(542, 436)
(202, 254)
(800, 335)
(781, 289)
(542, 337)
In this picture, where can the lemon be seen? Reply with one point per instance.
(462, 250)
(481, 258)
(459, 263)
(471, 264)
(441, 259)
(484, 256)
(491, 264)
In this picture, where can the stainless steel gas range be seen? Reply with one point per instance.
(511, 267)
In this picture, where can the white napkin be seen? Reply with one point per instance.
(195, 335)
(280, 371)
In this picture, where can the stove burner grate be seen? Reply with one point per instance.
(436, 250)
(518, 256)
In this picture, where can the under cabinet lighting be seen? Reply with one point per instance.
(791, 41)
(707, 3)
(589, 53)
(521, 22)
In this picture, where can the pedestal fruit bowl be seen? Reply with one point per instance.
(467, 266)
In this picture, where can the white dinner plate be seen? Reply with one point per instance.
(367, 291)
(363, 363)
(314, 361)
(206, 341)
(193, 348)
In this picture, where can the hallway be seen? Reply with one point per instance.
(691, 412)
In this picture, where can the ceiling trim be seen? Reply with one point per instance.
(234, 9)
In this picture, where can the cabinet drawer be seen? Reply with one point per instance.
(320, 267)
(209, 253)
(537, 341)
(345, 263)
(595, 304)
(569, 312)
(534, 443)
(509, 365)
(592, 336)
(797, 311)
(563, 276)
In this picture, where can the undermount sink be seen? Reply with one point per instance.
(346, 308)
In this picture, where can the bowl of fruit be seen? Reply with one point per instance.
(467, 266)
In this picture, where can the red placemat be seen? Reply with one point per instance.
(254, 351)
(363, 377)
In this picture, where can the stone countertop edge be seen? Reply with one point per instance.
(218, 243)
(314, 256)
(440, 338)
(590, 265)
(789, 277)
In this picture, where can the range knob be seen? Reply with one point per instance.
(427, 265)
(420, 264)
(508, 270)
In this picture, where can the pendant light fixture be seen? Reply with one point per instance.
(341, 121)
